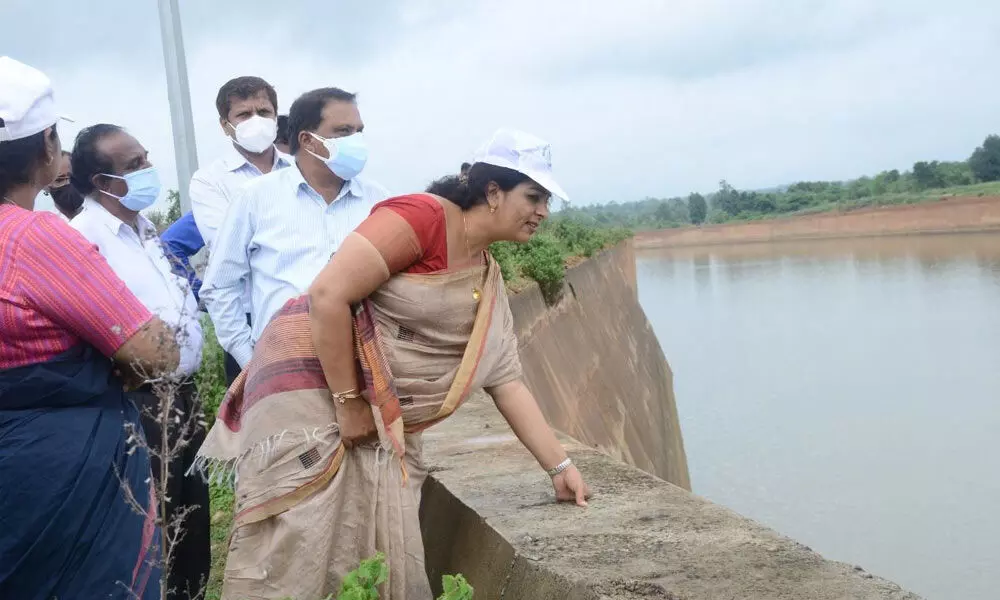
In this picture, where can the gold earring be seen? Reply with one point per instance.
(493, 209)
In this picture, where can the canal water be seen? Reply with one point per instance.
(847, 394)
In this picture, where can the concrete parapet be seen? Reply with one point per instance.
(488, 512)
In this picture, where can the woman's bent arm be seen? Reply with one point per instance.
(519, 408)
(152, 352)
(354, 272)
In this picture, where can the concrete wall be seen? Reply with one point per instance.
(951, 215)
(596, 367)
(488, 512)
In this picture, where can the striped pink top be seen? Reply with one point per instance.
(57, 291)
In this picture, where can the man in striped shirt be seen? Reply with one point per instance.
(281, 230)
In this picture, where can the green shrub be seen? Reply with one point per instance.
(456, 588)
(507, 255)
(362, 583)
(211, 376)
(544, 261)
(543, 258)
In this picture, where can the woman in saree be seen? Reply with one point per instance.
(67, 469)
(408, 319)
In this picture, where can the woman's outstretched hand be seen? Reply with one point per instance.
(570, 487)
(356, 421)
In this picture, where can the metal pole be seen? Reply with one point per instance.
(179, 96)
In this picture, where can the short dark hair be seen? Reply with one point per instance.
(470, 190)
(242, 88)
(306, 112)
(282, 129)
(465, 167)
(21, 158)
(86, 161)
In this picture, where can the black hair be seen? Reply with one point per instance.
(465, 167)
(20, 158)
(307, 112)
(282, 129)
(86, 161)
(242, 88)
(469, 190)
(67, 153)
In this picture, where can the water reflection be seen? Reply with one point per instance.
(846, 393)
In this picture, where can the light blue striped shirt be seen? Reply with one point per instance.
(213, 188)
(278, 234)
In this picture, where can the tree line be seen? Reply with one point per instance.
(729, 204)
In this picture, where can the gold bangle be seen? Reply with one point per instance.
(342, 397)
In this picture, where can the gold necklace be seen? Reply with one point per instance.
(476, 294)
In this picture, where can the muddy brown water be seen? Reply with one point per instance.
(847, 394)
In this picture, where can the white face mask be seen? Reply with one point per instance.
(256, 134)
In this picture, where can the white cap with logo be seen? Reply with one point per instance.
(26, 104)
(523, 153)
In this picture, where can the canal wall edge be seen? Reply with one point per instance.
(596, 367)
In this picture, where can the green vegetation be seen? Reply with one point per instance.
(211, 382)
(560, 242)
(163, 219)
(362, 583)
(926, 181)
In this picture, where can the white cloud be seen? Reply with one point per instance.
(639, 98)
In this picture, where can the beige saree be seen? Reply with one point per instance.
(307, 510)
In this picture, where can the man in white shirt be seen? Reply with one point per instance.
(248, 115)
(284, 227)
(112, 170)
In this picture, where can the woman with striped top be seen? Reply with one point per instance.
(66, 467)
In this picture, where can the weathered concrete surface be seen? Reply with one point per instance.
(597, 369)
(488, 513)
(951, 215)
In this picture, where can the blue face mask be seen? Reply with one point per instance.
(348, 155)
(143, 189)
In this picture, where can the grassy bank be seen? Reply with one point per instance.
(559, 243)
(888, 199)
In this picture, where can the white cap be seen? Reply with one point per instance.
(523, 153)
(26, 104)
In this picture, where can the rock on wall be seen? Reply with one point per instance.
(596, 367)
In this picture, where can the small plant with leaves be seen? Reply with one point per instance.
(362, 583)
(456, 588)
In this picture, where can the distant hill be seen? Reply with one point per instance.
(979, 175)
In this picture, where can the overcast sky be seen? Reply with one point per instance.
(638, 98)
